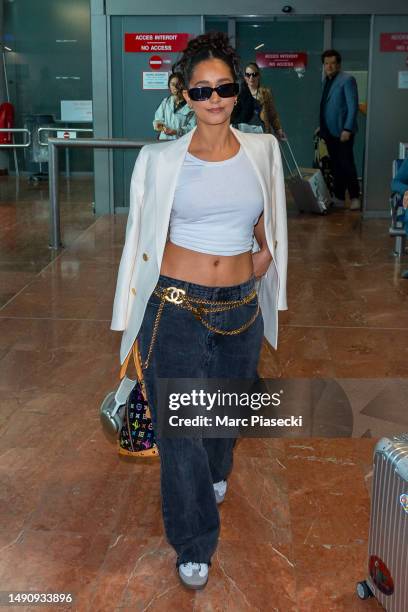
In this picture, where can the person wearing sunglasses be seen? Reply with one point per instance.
(265, 112)
(243, 112)
(173, 118)
(207, 220)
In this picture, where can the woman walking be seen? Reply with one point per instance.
(173, 117)
(190, 298)
(265, 113)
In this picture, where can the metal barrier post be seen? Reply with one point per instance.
(59, 129)
(93, 143)
(13, 131)
(55, 225)
(16, 146)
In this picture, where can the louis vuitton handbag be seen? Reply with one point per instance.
(125, 415)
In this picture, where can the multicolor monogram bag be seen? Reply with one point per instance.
(136, 436)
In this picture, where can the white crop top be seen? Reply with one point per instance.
(216, 205)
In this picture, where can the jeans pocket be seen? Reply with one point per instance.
(239, 318)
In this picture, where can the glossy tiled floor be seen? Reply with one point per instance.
(76, 518)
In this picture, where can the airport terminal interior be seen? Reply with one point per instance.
(77, 518)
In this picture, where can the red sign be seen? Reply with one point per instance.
(281, 60)
(155, 62)
(394, 41)
(147, 42)
(66, 134)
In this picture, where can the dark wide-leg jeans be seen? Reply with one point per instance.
(185, 348)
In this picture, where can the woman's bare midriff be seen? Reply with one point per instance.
(204, 269)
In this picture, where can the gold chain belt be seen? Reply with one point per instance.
(199, 308)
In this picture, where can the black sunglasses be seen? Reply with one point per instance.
(228, 90)
(251, 74)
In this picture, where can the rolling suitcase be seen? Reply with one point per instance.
(388, 540)
(306, 185)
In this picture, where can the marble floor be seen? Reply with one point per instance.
(75, 518)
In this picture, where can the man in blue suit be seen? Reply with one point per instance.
(338, 124)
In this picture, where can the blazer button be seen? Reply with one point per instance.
(276, 243)
(133, 290)
(145, 256)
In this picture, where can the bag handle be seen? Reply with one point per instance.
(293, 158)
(134, 351)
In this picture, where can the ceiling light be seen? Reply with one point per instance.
(259, 46)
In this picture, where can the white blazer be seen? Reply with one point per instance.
(153, 184)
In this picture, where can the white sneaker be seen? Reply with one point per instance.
(220, 489)
(355, 204)
(193, 575)
(337, 203)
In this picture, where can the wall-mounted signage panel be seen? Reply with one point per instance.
(155, 80)
(403, 79)
(149, 42)
(76, 110)
(394, 41)
(281, 60)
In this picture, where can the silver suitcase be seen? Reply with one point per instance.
(306, 185)
(388, 540)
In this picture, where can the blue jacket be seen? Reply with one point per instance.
(399, 183)
(341, 107)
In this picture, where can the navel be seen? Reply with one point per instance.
(216, 262)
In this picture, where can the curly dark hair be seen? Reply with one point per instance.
(207, 46)
(180, 83)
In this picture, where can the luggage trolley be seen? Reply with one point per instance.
(307, 186)
(36, 154)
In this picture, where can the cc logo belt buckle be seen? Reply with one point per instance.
(174, 295)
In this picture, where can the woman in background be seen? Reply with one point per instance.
(243, 111)
(265, 112)
(173, 117)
